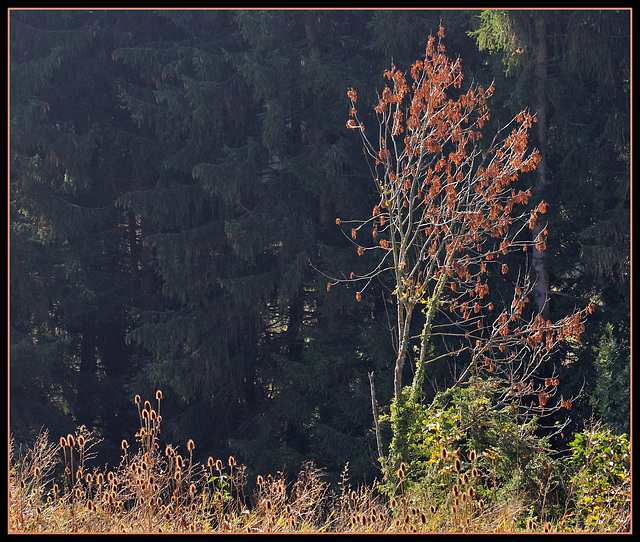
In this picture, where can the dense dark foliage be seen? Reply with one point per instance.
(174, 182)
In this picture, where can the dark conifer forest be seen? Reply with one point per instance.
(189, 212)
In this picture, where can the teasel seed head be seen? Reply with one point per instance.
(63, 442)
(190, 445)
(158, 395)
(232, 461)
(71, 441)
(136, 399)
(219, 465)
(124, 444)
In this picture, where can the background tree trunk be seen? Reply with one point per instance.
(538, 261)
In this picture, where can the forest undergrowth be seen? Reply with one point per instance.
(162, 488)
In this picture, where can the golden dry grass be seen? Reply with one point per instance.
(162, 489)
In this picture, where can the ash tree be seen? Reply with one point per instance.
(451, 209)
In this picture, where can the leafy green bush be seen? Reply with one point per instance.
(465, 439)
(601, 480)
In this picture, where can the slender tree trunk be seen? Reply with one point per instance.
(294, 344)
(85, 393)
(425, 336)
(404, 326)
(538, 260)
(376, 422)
(326, 210)
(140, 254)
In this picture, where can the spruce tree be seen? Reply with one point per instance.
(69, 287)
(295, 69)
(187, 107)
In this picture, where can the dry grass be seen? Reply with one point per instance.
(162, 489)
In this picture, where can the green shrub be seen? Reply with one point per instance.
(601, 480)
(464, 438)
